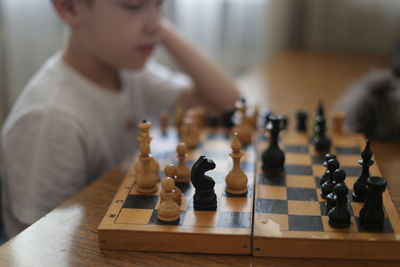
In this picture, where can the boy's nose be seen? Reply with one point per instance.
(153, 23)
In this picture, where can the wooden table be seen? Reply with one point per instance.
(67, 236)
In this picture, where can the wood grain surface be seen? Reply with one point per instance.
(67, 236)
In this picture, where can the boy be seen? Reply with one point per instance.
(74, 121)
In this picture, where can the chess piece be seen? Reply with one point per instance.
(144, 140)
(236, 180)
(146, 180)
(321, 142)
(372, 215)
(169, 190)
(213, 120)
(194, 116)
(244, 128)
(183, 171)
(190, 133)
(170, 171)
(164, 122)
(273, 158)
(325, 176)
(227, 119)
(337, 121)
(168, 210)
(360, 186)
(339, 216)
(338, 176)
(178, 118)
(254, 117)
(267, 118)
(284, 122)
(301, 117)
(327, 187)
(204, 197)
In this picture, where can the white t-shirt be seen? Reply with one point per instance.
(65, 131)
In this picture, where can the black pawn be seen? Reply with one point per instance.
(327, 187)
(339, 216)
(372, 215)
(360, 186)
(273, 157)
(301, 117)
(213, 120)
(319, 115)
(320, 141)
(325, 176)
(338, 176)
(227, 119)
(204, 197)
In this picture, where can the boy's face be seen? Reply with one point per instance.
(121, 33)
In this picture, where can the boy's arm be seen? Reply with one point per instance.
(212, 87)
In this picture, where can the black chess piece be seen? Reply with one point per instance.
(320, 141)
(213, 120)
(339, 216)
(327, 187)
(267, 118)
(372, 215)
(325, 176)
(284, 122)
(204, 197)
(227, 118)
(319, 115)
(338, 176)
(273, 158)
(360, 186)
(301, 117)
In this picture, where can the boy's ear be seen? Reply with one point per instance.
(68, 10)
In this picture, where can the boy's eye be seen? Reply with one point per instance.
(160, 3)
(132, 7)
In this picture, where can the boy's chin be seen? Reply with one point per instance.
(134, 66)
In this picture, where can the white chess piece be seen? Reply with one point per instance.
(168, 210)
(236, 179)
(183, 171)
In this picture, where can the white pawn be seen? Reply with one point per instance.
(254, 117)
(183, 171)
(168, 211)
(164, 122)
(245, 128)
(176, 193)
(236, 179)
(190, 132)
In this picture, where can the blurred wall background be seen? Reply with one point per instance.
(3, 97)
(237, 34)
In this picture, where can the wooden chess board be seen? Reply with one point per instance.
(291, 217)
(289, 220)
(131, 222)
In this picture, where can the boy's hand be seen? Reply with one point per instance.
(211, 86)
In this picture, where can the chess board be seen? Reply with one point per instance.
(131, 221)
(281, 216)
(290, 216)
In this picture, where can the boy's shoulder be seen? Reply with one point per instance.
(51, 91)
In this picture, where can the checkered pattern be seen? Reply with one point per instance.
(232, 211)
(293, 200)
